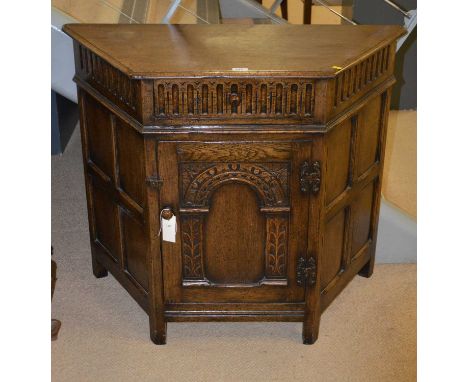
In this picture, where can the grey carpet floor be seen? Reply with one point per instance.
(367, 334)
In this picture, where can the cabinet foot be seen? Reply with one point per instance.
(308, 339)
(98, 270)
(158, 338)
(367, 269)
(158, 332)
(309, 333)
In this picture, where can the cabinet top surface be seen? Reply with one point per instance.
(156, 50)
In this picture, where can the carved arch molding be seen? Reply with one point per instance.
(199, 181)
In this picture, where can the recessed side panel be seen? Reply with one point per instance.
(354, 211)
(333, 251)
(118, 242)
(130, 161)
(105, 219)
(99, 134)
(368, 132)
(361, 212)
(338, 160)
(134, 248)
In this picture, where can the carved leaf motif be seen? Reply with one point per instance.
(276, 246)
(192, 247)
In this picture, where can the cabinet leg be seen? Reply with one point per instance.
(368, 268)
(98, 270)
(309, 333)
(158, 336)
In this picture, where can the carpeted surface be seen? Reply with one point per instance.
(367, 334)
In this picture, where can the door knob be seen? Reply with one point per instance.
(166, 213)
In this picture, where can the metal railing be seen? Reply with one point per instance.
(255, 9)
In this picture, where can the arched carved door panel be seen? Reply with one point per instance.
(270, 183)
(236, 256)
(238, 228)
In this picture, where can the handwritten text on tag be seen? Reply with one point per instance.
(169, 229)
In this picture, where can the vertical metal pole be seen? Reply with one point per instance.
(170, 12)
(275, 6)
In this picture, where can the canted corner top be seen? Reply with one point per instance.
(158, 51)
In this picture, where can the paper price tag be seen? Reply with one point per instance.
(169, 229)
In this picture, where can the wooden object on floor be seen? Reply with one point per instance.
(55, 324)
(307, 12)
(284, 9)
(268, 155)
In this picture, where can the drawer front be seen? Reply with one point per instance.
(241, 217)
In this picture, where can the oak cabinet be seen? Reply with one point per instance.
(268, 156)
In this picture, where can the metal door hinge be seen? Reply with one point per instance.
(306, 271)
(154, 182)
(311, 177)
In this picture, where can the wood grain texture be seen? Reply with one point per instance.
(105, 217)
(338, 161)
(361, 209)
(329, 68)
(368, 135)
(333, 252)
(234, 237)
(273, 174)
(134, 249)
(99, 134)
(233, 151)
(130, 161)
(197, 50)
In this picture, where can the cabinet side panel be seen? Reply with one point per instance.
(115, 218)
(368, 132)
(359, 201)
(99, 133)
(361, 212)
(130, 161)
(338, 159)
(332, 259)
(134, 248)
(106, 220)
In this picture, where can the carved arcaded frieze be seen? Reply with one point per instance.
(357, 78)
(248, 98)
(106, 78)
(268, 180)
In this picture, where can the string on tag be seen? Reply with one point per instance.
(160, 223)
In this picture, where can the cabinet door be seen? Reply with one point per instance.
(241, 220)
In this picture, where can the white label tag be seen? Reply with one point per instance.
(169, 229)
(240, 69)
